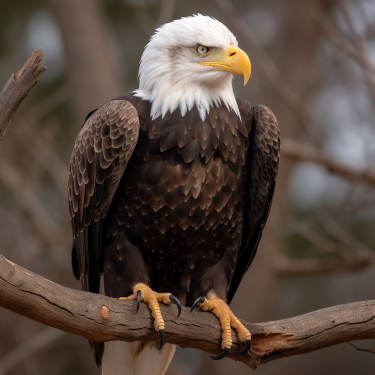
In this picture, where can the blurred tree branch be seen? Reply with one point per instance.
(354, 47)
(18, 86)
(100, 318)
(315, 266)
(349, 254)
(361, 349)
(300, 152)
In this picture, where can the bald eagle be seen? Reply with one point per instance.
(171, 185)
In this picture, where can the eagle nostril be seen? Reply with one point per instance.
(232, 54)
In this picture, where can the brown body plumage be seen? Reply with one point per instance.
(175, 202)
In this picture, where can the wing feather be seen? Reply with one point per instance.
(100, 155)
(263, 162)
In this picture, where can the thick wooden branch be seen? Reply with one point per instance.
(18, 86)
(100, 318)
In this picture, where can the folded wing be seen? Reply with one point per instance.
(101, 152)
(263, 163)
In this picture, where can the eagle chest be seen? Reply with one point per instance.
(184, 189)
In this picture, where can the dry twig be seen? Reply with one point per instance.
(361, 349)
(18, 86)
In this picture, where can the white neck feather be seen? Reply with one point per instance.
(184, 96)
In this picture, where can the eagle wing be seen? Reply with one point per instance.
(263, 162)
(101, 152)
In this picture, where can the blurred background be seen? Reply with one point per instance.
(313, 65)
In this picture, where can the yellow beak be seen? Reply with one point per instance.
(233, 60)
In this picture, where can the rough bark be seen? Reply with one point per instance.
(18, 86)
(100, 318)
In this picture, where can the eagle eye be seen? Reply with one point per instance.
(202, 50)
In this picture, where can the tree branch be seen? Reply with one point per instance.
(299, 152)
(361, 349)
(314, 266)
(100, 318)
(18, 86)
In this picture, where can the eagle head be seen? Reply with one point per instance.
(190, 62)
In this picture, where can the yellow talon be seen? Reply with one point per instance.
(227, 320)
(142, 292)
(152, 299)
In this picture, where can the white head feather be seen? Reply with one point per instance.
(170, 76)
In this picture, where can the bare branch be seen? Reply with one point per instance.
(47, 105)
(44, 154)
(320, 241)
(101, 318)
(17, 88)
(300, 152)
(314, 266)
(332, 33)
(361, 349)
(43, 221)
(356, 50)
(41, 150)
(362, 55)
(344, 236)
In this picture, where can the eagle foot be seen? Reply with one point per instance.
(227, 321)
(142, 292)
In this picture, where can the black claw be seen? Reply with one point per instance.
(139, 294)
(177, 302)
(244, 350)
(196, 303)
(220, 356)
(161, 338)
